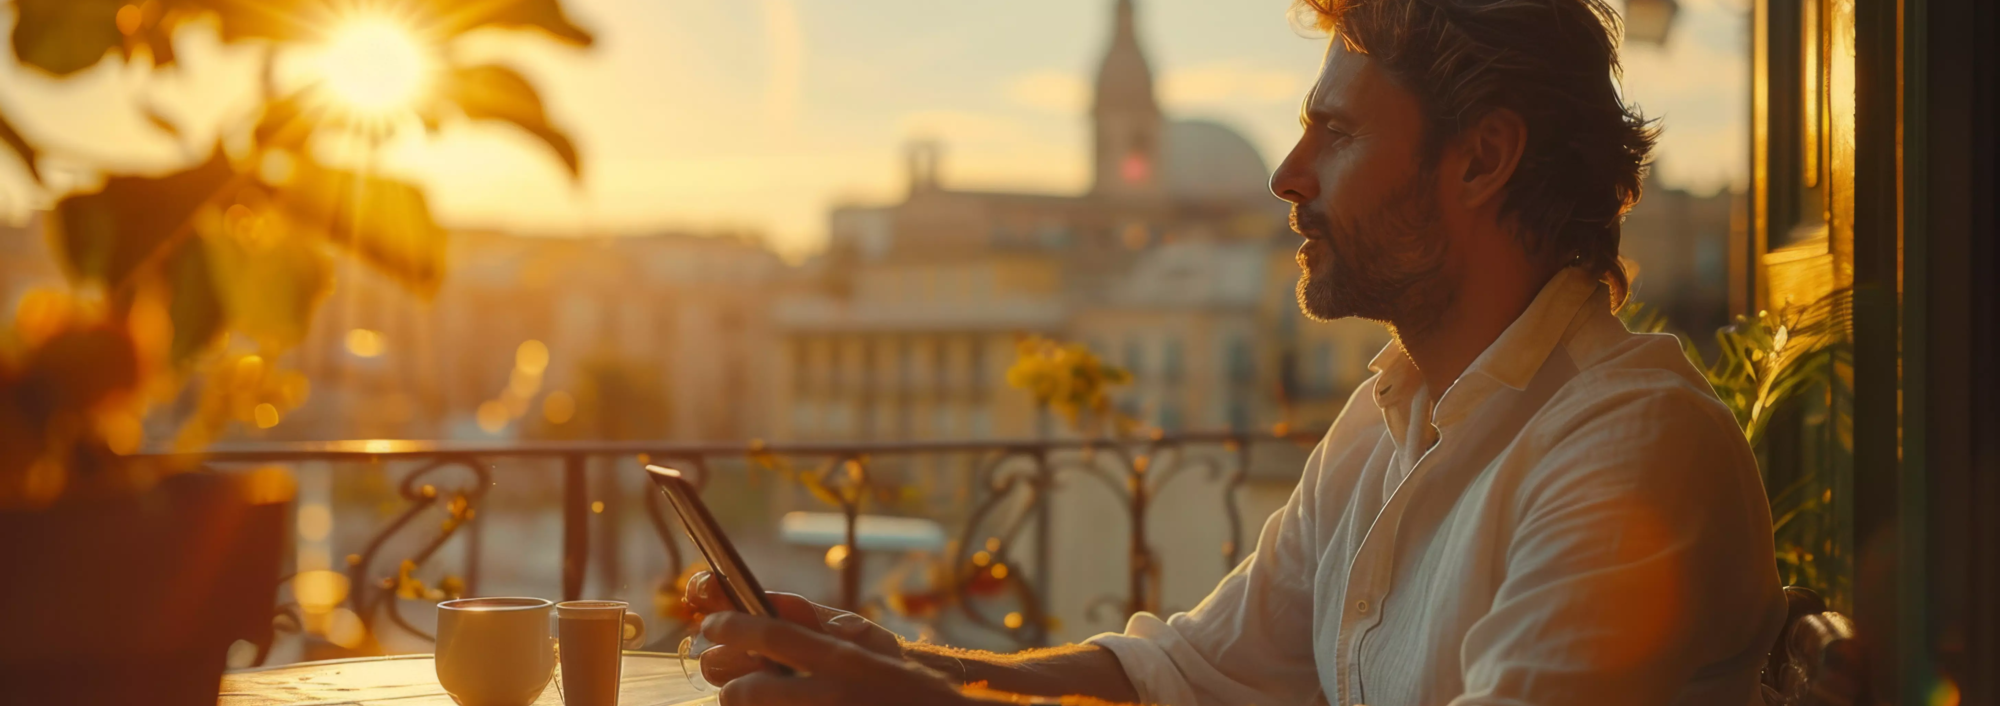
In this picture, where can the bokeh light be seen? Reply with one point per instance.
(559, 407)
(249, 373)
(364, 343)
(492, 416)
(532, 356)
(1944, 692)
(524, 383)
(345, 628)
(315, 521)
(267, 415)
(319, 591)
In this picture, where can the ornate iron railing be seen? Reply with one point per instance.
(1018, 474)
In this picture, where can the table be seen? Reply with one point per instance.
(650, 679)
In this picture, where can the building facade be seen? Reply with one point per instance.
(1176, 264)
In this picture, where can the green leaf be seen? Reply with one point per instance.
(270, 282)
(21, 148)
(384, 222)
(491, 92)
(104, 236)
(63, 37)
(194, 307)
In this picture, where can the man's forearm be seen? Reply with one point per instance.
(1068, 670)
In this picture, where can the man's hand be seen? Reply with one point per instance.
(830, 672)
(729, 661)
(1066, 671)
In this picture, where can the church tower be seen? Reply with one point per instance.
(1125, 116)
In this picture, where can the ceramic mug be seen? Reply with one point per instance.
(495, 651)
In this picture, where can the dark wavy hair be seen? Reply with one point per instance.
(1553, 62)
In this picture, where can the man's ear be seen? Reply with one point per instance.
(1492, 149)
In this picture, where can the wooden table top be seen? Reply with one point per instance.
(650, 679)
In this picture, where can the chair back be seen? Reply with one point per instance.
(1817, 660)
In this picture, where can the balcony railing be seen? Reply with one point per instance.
(1001, 538)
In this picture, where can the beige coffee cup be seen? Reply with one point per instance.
(592, 638)
(495, 651)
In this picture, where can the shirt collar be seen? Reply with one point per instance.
(1513, 358)
(1398, 377)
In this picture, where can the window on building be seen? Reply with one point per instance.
(838, 420)
(1241, 367)
(943, 421)
(1173, 359)
(802, 372)
(802, 419)
(905, 376)
(836, 365)
(982, 423)
(976, 369)
(941, 365)
(1320, 368)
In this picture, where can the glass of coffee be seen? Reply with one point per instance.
(591, 639)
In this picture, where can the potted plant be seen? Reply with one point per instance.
(127, 581)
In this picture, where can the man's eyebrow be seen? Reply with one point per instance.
(1310, 115)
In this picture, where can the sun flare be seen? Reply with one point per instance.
(374, 67)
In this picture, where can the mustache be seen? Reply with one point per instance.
(1308, 223)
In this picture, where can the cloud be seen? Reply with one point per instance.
(1701, 92)
(1232, 82)
(1050, 90)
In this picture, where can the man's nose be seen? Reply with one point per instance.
(1295, 181)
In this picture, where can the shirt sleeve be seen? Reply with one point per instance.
(1640, 571)
(1248, 642)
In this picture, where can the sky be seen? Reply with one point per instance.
(761, 115)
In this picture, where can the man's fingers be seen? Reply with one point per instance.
(705, 594)
(797, 609)
(793, 646)
(858, 630)
(771, 689)
(727, 663)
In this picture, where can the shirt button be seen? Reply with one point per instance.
(1361, 607)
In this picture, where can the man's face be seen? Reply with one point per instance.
(1365, 200)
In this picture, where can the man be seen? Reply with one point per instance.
(1527, 504)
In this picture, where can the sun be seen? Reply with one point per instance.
(374, 67)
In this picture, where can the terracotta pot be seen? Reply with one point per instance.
(137, 599)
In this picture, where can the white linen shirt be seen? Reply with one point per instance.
(1589, 528)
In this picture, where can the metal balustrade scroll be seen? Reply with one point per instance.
(1019, 477)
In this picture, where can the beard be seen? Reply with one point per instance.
(1385, 265)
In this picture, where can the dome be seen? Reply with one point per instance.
(1207, 160)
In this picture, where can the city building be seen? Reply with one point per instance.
(1176, 264)
(639, 337)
